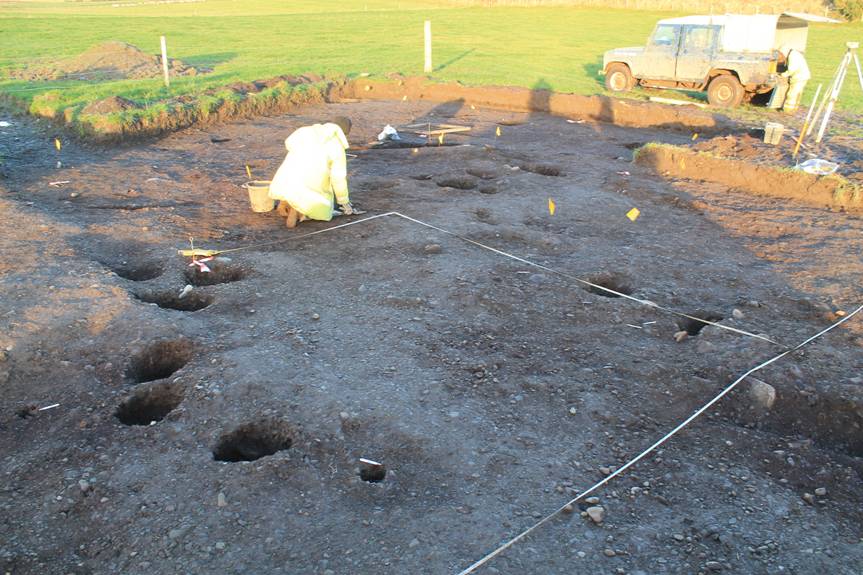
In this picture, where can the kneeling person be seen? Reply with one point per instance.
(313, 173)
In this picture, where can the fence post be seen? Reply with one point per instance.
(428, 45)
(165, 62)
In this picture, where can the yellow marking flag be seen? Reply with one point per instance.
(694, 136)
(57, 144)
(497, 131)
(248, 171)
(440, 140)
(633, 214)
(551, 206)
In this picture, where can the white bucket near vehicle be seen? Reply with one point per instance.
(773, 133)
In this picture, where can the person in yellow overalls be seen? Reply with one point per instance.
(797, 73)
(313, 172)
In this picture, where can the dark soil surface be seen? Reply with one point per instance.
(106, 61)
(222, 432)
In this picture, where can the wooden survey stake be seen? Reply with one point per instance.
(165, 61)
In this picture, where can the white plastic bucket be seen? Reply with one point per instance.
(773, 133)
(258, 196)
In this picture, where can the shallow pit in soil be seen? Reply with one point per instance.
(543, 169)
(137, 271)
(457, 182)
(373, 473)
(159, 360)
(150, 404)
(693, 326)
(220, 273)
(252, 441)
(193, 301)
(611, 281)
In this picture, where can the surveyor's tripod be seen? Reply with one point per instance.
(835, 88)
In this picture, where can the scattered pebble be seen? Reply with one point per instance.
(84, 486)
(221, 500)
(821, 491)
(414, 542)
(316, 316)
(568, 508)
(609, 552)
(809, 498)
(737, 314)
(713, 566)
(432, 249)
(220, 545)
(596, 514)
(681, 335)
(762, 394)
(605, 470)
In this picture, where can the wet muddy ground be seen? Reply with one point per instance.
(222, 431)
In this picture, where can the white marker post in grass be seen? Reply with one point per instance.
(165, 62)
(428, 64)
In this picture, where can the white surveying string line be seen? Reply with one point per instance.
(647, 451)
(645, 302)
(284, 240)
(587, 283)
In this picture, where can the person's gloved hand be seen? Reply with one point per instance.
(347, 209)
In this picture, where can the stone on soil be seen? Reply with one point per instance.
(596, 514)
(762, 394)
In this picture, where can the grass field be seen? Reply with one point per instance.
(557, 48)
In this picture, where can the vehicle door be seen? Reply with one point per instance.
(660, 54)
(697, 47)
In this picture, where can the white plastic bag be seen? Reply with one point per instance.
(818, 167)
(388, 133)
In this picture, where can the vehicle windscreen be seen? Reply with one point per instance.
(664, 35)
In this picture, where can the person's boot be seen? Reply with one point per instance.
(282, 208)
(292, 218)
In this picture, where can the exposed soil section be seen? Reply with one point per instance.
(679, 162)
(280, 94)
(599, 108)
(752, 148)
(110, 105)
(106, 61)
(488, 390)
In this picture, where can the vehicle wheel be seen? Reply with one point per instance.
(618, 78)
(725, 91)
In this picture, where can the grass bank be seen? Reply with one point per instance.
(555, 48)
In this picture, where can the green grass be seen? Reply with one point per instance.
(557, 48)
